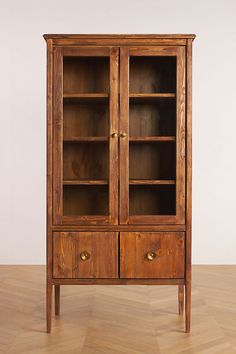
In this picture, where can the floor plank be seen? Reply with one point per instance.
(118, 319)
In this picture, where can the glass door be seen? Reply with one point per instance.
(152, 135)
(85, 180)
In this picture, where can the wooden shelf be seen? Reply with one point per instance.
(150, 181)
(92, 139)
(151, 138)
(89, 182)
(86, 96)
(150, 96)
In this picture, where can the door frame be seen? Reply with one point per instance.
(125, 53)
(58, 217)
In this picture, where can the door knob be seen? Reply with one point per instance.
(114, 135)
(123, 135)
(84, 256)
(151, 256)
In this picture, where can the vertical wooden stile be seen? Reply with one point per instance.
(124, 128)
(188, 189)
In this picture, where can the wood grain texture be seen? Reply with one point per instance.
(181, 299)
(188, 189)
(102, 248)
(49, 306)
(180, 137)
(168, 249)
(57, 299)
(57, 136)
(113, 142)
(118, 227)
(49, 184)
(121, 36)
(124, 143)
(118, 281)
(118, 40)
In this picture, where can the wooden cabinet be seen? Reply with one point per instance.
(119, 162)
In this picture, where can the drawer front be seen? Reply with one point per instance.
(152, 254)
(85, 255)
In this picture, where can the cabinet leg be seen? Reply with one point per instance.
(187, 306)
(57, 300)
(49, 306)
(181, 299)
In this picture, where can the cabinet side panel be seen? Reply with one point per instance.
(188, 190)
(49, 156)
(189, 163)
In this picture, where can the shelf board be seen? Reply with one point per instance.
(88, 182)
(86, 96)
(92, 139)
(151, 138)
(150, 96)
(151, 181)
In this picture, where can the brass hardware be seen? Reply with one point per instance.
(123, 135)
(114, 135)
(84, 256)
(151, 256)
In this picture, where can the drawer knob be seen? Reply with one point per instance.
(151, 256)
(84, 256)
(114, 135)
(123, 135)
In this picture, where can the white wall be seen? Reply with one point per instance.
(22, 111)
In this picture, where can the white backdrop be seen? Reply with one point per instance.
(22, 111)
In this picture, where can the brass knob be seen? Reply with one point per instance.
(123, 135)
(151, 256)
(84, 256)
(114, 135)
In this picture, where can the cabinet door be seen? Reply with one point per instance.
(85, 148)
(152, 254)
(85, 255)
(152, 135)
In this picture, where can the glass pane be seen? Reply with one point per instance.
(152, 74)
(86, 75)
(85, 200)
(85, 119)
(152, 200)
(156, 118)
(152, 134)
(85, 136)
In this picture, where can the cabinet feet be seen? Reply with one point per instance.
(57, 300)
(187, 307)
(49, 307)
(181, 299)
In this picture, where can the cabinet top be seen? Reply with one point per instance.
(119, 36)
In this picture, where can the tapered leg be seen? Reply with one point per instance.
(57, 300)
(187, 306)
(49, 306)
(181, 299)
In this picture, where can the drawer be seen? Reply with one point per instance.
(85, 255)
(152, 254)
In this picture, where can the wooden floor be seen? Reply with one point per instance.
(118, 319)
